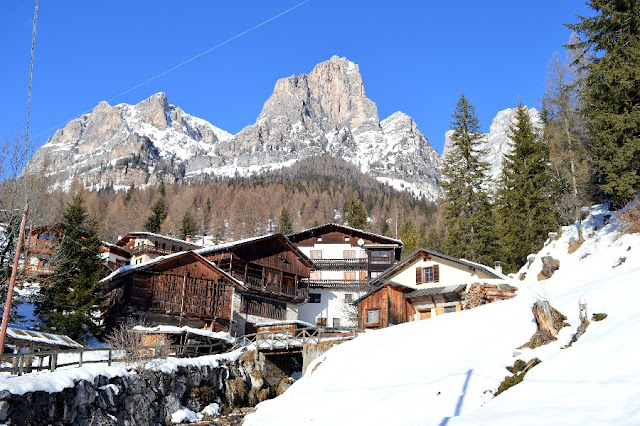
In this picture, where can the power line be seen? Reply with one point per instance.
(184, 62)
(33, 48)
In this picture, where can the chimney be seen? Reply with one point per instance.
(497, 265)
(188, 238)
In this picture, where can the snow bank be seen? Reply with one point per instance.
(445, 370)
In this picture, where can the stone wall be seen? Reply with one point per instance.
(148, 398)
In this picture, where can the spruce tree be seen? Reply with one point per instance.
(158, 214)
(524, 203)
(467, 209)
(355, 214)
(189, 226)
(611, 94)
(72, 295)
(284, 223)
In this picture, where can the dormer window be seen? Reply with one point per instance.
(319, 239)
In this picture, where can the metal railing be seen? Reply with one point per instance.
(355, 284)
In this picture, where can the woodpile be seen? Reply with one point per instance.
(481, 294)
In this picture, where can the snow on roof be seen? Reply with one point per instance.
(127, 268)
(433, 291)
(164, 237)
(230, 244)
(348, 228)
(170, 329)
(41, 337)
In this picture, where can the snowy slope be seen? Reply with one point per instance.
(445, 370)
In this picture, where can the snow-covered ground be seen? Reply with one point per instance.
(445, 370)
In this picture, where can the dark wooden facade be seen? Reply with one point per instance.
(390, 304)
(181, 289)
(270, 266)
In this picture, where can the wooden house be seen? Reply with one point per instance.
(425, 284)
(345, 259)
(114, 256)
(39, 248)
(179, 289)
(146, 246)
(274, 272)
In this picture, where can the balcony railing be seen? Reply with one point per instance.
(256, 282)
(146, 248)
(341, 264)
(360, 284)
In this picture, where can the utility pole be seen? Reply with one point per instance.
(12, 281)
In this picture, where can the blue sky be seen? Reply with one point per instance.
(414, 56)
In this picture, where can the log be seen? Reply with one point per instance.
(544, 317)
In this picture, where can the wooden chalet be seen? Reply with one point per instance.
(425, 284)
(345, 259)
(179, 289)
(39, 248)
(275, 274)
(146, 246)
(114, 256)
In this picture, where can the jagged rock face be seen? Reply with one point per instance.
(497, 142)
(323, 112)
(124, 144)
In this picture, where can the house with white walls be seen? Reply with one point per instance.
(345, 259)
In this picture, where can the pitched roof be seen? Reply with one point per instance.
(381, 279)
(230, 246)
(375, 289)
(128, 269)
(328, 227)
(139, 234)
(16, 334)
(434, 291)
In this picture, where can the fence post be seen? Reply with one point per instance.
(80, 361)
(20, 364)
(109, 361)
(54, 360)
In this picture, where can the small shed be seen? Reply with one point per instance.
(33, 341)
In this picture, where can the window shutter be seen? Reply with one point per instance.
(436, 273)
(419, 275)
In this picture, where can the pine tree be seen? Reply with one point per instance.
(467, 209)
(189, 226)
(72, 294)
(7, 253)
(409, 237)
(284, 223)
(611, 94)
(159, 213)
(355, 214)
(524, 205)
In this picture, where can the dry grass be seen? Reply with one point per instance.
(575, 245)
(137, 348)
(631, 220)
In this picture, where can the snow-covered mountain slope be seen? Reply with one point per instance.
(323, 112)
(497, 143)
(445, 370)
(124, 144)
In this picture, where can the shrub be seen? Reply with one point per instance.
(631, 220)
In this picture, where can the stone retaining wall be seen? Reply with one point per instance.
(148, 398)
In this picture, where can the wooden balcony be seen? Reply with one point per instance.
(259, 283)
(39, 246)
(341, 264)
(146, 248)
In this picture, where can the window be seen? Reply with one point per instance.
(430, 274)
(336, 322)
(319, 239)
(315, 275)
(316, 254)
(375, 273)
(348, 298)
(321, 322)
(314, 298)
(449, 309)
(346, 238)
(373, 316)
(349, 254)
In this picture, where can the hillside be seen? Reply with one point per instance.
(445, 370)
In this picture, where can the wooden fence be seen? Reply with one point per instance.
(284, 340)
(52, 360)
